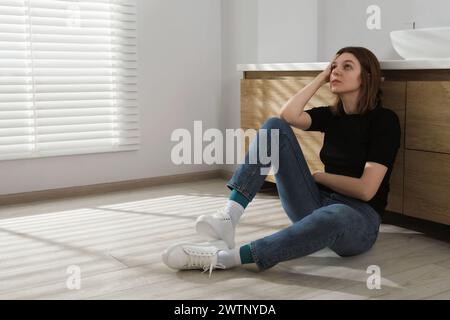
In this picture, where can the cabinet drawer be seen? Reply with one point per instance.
(428, 116)
(427, 185)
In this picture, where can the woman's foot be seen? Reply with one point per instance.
(188, 256)
(217, 226)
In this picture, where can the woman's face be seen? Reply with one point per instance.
(345, 74)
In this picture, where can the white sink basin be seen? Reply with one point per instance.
(427, 43)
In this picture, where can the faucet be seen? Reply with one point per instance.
(409, 24)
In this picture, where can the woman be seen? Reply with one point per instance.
(340, 208)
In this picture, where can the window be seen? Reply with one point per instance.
(68, 77)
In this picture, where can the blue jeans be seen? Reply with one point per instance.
(320, 219)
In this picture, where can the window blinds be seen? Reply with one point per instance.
(68, 77)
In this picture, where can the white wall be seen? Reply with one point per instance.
(239, 45)
(343, 23)
(431, 13)
(287, 31)
(179, 49)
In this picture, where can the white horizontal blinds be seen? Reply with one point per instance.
(84, 77)
(17, 119)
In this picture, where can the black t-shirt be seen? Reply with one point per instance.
(351, 140)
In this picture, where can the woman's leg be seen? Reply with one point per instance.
(340, 227)
(298, 191)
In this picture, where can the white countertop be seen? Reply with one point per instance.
(318, 66)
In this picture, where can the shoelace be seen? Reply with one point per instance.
(203, 260)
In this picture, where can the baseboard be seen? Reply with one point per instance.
(26, 197)
(428, 228)
(225, 174)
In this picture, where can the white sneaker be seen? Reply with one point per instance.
(216, 226)
(188, 256)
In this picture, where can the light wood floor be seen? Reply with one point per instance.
(116, 240)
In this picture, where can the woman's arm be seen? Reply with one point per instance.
(293, 108)
(348, 186)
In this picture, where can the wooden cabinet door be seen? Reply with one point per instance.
(427, 185)
(427, 157)
(428, 116)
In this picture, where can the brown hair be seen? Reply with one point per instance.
(370, 91)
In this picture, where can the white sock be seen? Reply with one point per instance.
(229, 258)
(235, 210)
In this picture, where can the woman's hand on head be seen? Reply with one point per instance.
(327, 72)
